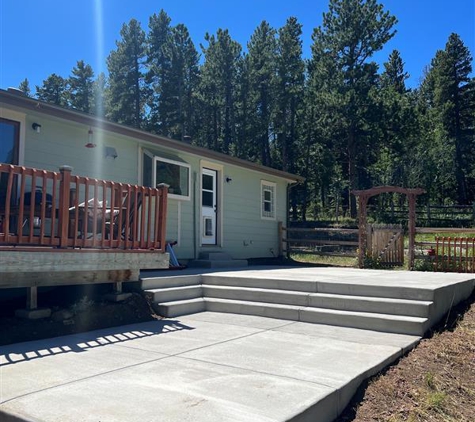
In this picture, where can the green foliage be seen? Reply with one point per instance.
(25, 87)
(126, 91)
(53, 90)
(336, 118)
(81, 87)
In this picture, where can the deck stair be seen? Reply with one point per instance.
(217, 260)
(379, 308)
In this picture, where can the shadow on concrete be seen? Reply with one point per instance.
(82, 342)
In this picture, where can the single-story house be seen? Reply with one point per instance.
(215, 202)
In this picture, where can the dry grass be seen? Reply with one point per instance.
(434, 382)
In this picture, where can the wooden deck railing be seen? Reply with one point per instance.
(46, 208)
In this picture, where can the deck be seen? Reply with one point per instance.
(60, 229)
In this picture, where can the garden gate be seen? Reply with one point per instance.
(364, 195)
(386, 244)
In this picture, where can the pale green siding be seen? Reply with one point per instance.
(62, 143)
(243, 233)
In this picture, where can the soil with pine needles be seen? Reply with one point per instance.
(73, 312)
(434, 382)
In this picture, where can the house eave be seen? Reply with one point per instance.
(36, 106)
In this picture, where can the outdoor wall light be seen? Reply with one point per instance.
(111, 153)
(36, 127)
(228, 179)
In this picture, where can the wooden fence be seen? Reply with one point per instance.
(447, 254)
(429, 215)
(454, 254)
(46, 208)
(318, 241)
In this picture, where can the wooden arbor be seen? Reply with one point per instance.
(364, 195)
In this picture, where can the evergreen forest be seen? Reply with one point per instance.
(336, 117)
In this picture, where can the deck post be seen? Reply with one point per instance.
(412, 228)
(117, 294)
(32, 298)
(32, 311)
(162, 217)
(64, 192)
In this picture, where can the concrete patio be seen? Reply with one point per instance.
(210, 366)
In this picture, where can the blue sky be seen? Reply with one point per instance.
(38, 38)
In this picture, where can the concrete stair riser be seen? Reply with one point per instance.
(263, 283)
(215, 256)
(253, 308)
(310, 286)
(318, 300)
(181, 307)
(256, 295)
(407, 293)
(371, 304)
(216, 263)
(366, 321)
(171, 294)
(171, 281)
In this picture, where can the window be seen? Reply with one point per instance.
(176, 174)
(9, 146)
(268, 190)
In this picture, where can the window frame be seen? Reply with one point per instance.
(268, 215)
(157, 158)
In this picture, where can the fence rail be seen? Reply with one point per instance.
(318, 241)
(46, 208)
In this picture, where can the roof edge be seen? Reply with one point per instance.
(54, 110)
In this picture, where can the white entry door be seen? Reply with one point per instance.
(209, 206)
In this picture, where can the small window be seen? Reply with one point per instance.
(268, 190)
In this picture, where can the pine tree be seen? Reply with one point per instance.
(262, 78)
(53, 90)
(352, 31)
(81, 87)
(217, 92)
(99, 96)
(25, 87)
(449, 93)
(394, 75)
(127, 93)
(158, 68)
(289, 92)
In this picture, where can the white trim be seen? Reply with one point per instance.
(273, 202)
(219, 168)
(177, 163)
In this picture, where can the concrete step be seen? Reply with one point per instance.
(367, 321)
(321, 300)
(363, 320)
(180, 307)
(171, 294)
(215, 256)
(167, 281)
(218, 263)
(329, 287)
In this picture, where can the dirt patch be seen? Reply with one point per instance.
(434, 382)
(75, 315)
